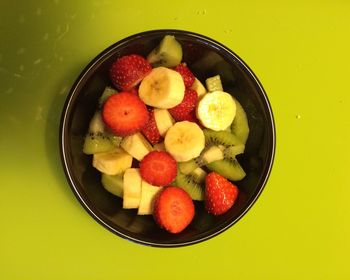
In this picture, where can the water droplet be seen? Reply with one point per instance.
(9, 90)
(298, 116)
(39, 113)
(21, 50)
(37, 61)
(63, 90)
(38, 11)
(21, 19)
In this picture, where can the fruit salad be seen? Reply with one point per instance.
(162, 139)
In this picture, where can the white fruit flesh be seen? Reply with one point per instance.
(216, 110)
(199, 88)
(96, 124)
(163, 120)
(148, 194)
(162, 88)
(131, 188)
(112, 163)
(136, 145)
(199, 174)
(184, 141)
(213, 153)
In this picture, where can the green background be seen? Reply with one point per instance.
(299, 227)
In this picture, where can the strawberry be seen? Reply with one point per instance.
(150, 130)
(128, 71)
(173, 209)
(220, 194)
(186, 74)
(158, 168)
(125, 113)
(181, 111)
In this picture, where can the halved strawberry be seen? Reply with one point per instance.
(220, 194)
(186, 74)
(158, 168)
(150, 130)
(125, 113)
(181, 111)
(173, 209)
(128, 71)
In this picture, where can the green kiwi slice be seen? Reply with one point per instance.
(239, 126)
(190, 185)
(168, 53)
(222, 137)
(98, 139)
(229, 168)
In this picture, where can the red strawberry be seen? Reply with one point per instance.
(150, 130)
(128, 71)
(125, 113)
(181, 111)
(186, 74)
(158, 168)
(173, 209)
(220, 194)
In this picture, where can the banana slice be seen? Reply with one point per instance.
(163, 120)
(199, 88)
(136, 145)
(216, 110)
(131, 188)
(112, 163)
(184, 141)
(162, 88)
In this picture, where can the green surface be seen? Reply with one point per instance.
(298, 229)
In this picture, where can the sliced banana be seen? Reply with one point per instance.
(131, 188)
(163, 120)
(162, 88)
(199, 88)
(112, 163)
(216, 110)
(148, 195)
(136, 145)
(184, 141)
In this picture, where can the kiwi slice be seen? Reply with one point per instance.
(229, 168)
(98, 139)
(222, 137)
(239, 126)
(190, 185)
(214, 83)
(113, 183)
(168, 53)
(108, 91)
(211, 153)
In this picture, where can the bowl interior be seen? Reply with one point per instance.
(205, 58)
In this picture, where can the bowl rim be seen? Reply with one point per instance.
(99, 59)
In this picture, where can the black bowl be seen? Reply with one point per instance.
(206, 58)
